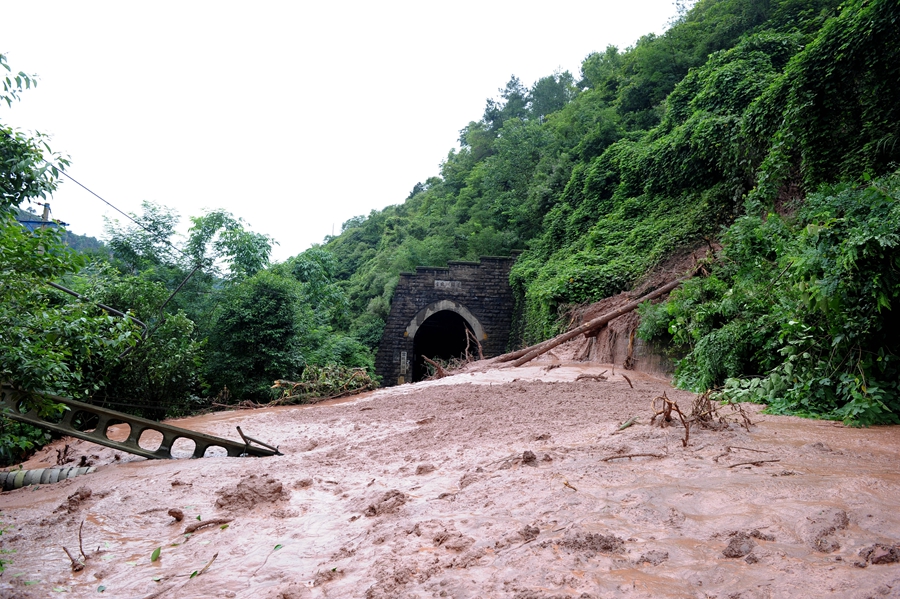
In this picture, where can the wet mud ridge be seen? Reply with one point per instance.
(476, 486)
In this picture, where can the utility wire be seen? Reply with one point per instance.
(129, 217)
(197, 266)
(60, 170)
(123, 213)
(156, 235)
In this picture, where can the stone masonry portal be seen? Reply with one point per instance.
(433, 309)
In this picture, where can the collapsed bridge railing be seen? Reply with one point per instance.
(14, 404)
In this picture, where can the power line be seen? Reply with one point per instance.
(126, 215)
(197, 266)
(60, 170)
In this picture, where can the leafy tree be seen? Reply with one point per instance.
(49, 342)
(218, 236)
(255, 336)
(602, 71)
(144, 242)
(551, 93)
(513, 104)
(476, 140)
(159, 376)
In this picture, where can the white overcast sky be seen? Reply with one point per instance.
(294, 116)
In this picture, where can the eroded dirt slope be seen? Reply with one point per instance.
(478, 486)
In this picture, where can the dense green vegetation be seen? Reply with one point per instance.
(206, 317)
(727, 122)
(600, 178)
(767, 126)
(805, 301)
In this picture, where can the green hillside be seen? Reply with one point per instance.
(718, 129)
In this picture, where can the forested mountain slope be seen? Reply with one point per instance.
(720, 129)
(764, 130)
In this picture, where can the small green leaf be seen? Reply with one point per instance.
(155, 555)
(224, 526)
(198, 516)
(194, 573)
(30, 582)
(130, 563)
(60, 590)
(277, 547)
(101, 588)
(156, 579)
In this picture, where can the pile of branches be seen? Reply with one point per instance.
(705, 413)
(318, 383)
(438, 368)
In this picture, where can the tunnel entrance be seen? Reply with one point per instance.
(441, 336)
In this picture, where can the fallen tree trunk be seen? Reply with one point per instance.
(530, 353)
(519, 352)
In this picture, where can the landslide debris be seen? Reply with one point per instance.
(250, 491)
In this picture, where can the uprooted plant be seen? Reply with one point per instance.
(318, 383)
(704, 412)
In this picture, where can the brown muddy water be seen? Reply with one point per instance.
(426, 491)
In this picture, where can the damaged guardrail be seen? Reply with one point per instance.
(13, 405)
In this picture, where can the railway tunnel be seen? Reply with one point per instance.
(442, 337)
(432, 310)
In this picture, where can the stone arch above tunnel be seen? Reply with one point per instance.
(477, 293)
(446, 305)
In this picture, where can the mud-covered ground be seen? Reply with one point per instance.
(476, 486)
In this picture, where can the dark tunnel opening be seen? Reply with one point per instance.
(441, 337)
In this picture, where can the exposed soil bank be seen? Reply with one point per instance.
(476, 486)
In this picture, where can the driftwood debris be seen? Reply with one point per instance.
(663, 406)
(470, 336)
(80, 544)
(704, 413)
(520, 352)
(439, 371)
(192, 528)
(754, 463)
(633, 455)
(592, 377)
(77, 565)
(530, 353)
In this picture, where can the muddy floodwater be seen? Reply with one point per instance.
(510, 483)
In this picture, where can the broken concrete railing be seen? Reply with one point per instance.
(14, 405)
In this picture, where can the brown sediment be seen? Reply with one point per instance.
(475, 485)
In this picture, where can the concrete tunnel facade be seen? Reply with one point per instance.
(432, 310)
